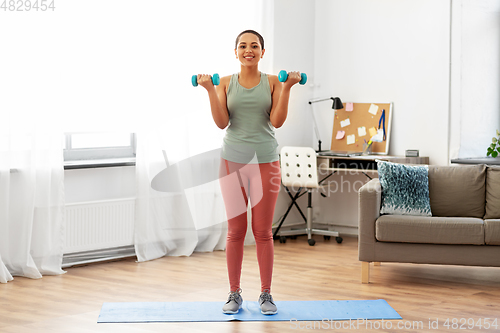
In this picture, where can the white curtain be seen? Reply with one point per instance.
(475, 73)
(179, 208)
(31, 203)
(31, 147)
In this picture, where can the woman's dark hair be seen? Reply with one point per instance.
(261, 39)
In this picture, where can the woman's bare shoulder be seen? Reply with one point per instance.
(273, 78)
(274, 82)
(225, 79)
(224, 82)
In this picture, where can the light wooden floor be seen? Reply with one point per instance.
(328, 271)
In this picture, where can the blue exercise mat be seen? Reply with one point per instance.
(139, 312)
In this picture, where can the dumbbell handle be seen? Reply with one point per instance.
(215, 80)
(283, 76)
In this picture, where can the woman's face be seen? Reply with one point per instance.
(249, 51)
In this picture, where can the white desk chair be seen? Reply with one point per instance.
(299, 171)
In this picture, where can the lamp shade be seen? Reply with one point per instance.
(337, 103)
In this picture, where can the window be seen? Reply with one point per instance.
(99, 146)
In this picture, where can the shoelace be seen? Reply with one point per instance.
(233, 295)
(266, 297)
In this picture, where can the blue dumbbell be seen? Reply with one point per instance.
(283, 76)
(215, 80)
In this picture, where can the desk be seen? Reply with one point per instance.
(365, 164)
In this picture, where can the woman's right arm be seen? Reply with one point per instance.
(217, 96)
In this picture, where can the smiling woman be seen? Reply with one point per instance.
(251, 104)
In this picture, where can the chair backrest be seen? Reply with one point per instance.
(298, 167)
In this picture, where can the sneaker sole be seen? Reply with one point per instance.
(269, 312)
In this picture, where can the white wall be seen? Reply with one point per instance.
(388, 51)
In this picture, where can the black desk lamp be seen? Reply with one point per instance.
(337, 105)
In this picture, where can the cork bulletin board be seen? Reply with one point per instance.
(358, 122)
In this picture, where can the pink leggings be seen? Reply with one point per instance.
(260, 183)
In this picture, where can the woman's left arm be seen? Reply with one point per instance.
(280, 95)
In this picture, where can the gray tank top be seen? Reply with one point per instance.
(250, 132)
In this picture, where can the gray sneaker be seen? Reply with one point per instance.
(234, 302)
(266, 303)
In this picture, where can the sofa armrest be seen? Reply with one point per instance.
(369, 201)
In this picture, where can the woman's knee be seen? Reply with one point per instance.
(236, 231)
(262, 234)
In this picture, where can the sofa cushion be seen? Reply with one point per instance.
(429, 230)
(405, 189)
(457, 190)
(492, 193)
(492, 232)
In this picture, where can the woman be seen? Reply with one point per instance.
(253, 104)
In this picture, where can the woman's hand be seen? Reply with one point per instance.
(205, 80)
(293, 78)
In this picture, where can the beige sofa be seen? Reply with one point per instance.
(464, 228)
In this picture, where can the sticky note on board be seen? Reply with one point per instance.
(373, 109)
(345, 123)
(361, 131)
(351, 139)
(349, 106)
(340, 135)
(372, 131)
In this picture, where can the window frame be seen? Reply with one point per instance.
(101, 153)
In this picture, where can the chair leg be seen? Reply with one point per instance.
(310, 240)
(309, 214)
(365, 272)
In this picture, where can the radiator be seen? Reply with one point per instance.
(99, 230)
